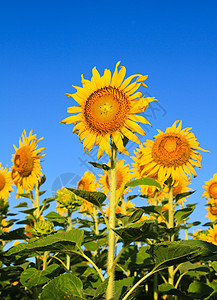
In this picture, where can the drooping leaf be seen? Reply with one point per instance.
(183, 195)
(169, 289)
(32, 277)
(181, 214)
(17, 234)
(96, 198)
(100, 166)
(65, 286)
(21, 204)
(143, 181)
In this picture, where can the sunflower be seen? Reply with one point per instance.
(123, 174)
(87, 183)
(5, 183)
(211, 188)
(61, 210)
(26, 171)
(172, 153)
(138, 168)
(109, 107)
(212, 209)
(212, 235)
(4, 225)
(124, 209)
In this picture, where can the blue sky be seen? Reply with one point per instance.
(46, 45)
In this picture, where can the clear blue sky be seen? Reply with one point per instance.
(46, 45)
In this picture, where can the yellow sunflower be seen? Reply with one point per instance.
(212, 235)
(212, 209)
(87, 183)
(172, 153)
(61, 210)
(123, 209)
(180, 186)
(26, 170)
(138, 168)
(211, 188)
(5, 183)
(109, 107)
(4, 225)
(123, 174)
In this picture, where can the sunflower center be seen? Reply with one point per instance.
(23, 161)
(2, 182)
(213, 190)
(83, 185)
(171, 150)
(213, 210)
(119, 180)
(106, 110)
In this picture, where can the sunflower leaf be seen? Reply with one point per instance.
(21, 204)
(143, 181)
(64, 286)
(183, 195)
(181, 214)
(33, 277)
(100, 166)
(96, 198)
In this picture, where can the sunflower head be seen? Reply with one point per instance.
(172, 153)
(26, 170)
(123, 175)
(211, 188)
(212, 209)
(212, 235)
(108, 108)
(5, 183)
(67, 199)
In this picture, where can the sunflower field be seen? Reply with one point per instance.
(96, 243)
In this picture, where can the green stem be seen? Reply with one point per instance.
(171, 225)
(111, 238)
(69, 228)
(37, 204)
(95, 220)
(155, 283)
(46, 253)
(140, 281)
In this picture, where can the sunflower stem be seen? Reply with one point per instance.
(171, 225)
(69, 220)
(37, 204)
(155, 283)
(111, 238)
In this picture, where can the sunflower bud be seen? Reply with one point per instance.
(67, 199)
(43, 227)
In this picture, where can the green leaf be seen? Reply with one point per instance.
(56, 218)
(169, 289)
(17, 234)
(199, 290)
(101, 290)
(138, 232)
(25, 195)
(96, 198)
(21, 204)
(33, 277)
(188, 266)
(169, 253)
(48, 200)
(143, 181)
(181, 214)
(66, 286)
(122, 286)
(183, 195)
(100, 166)
(42, 181)
(42, 192)
(63, 242)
